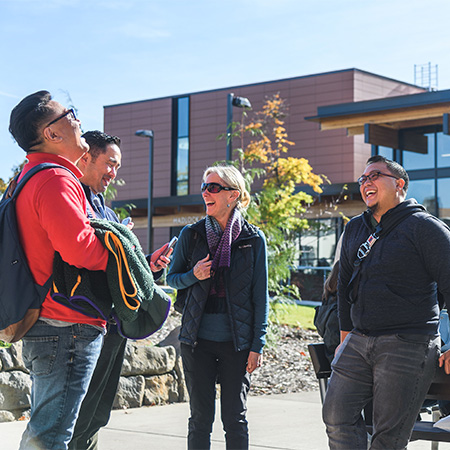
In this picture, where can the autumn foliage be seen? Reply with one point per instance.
(276, 207)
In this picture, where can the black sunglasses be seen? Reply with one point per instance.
(215, 188)
(70, 111)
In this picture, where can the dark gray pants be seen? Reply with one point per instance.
(203, 366)
(395, 371)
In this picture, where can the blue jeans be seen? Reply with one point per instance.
(96, 407)
(61, 361)
(204, 365)
(395, 371)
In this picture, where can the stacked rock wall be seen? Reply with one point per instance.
(150, 375)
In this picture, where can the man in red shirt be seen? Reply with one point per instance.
(62, 348)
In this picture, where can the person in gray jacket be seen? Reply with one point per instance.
(393, 258)
(220, 267)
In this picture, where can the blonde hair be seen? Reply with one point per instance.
(233, 179)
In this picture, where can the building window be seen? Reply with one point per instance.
(413, 160)
(387, 152)
(318, 242)
(443, 150)
(443, 187)
(424, 192)
(180, 150)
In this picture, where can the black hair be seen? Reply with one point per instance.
(394, 167)
(27, 118)
(98, 141)
(331, 283)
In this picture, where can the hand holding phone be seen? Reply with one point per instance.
(171, 245)
(159, 259)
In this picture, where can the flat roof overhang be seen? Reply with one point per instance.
(396, 122)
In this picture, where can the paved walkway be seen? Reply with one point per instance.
(277, 422)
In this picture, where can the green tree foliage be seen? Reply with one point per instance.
(277, 207)
(111, 193)
(15, 170)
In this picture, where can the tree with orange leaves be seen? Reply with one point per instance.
(278, 206)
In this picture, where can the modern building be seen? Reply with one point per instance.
(183, 139)
(410, 129)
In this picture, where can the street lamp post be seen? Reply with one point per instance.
(239, 102)
(149, 134)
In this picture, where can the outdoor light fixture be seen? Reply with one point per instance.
(239, 102)
(149, 134)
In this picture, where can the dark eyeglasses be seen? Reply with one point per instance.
(215, 188)
(70, 111)
(373, 176)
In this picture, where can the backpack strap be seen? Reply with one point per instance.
(15, 186)
(382, 229)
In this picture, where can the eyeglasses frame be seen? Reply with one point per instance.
(69, 111)
(373, 176)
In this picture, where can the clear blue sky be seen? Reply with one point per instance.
(93, 52)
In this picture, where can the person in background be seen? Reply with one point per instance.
(100, 166)
(326, 317)
(222, 262)
(62, 347)
(393, 259)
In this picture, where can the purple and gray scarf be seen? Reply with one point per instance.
(220, 247)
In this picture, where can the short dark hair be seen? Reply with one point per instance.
(98, 141)
(28, 116)
(394, 167)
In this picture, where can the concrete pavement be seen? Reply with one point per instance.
(277, 422)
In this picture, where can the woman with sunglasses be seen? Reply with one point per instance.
(220, 265)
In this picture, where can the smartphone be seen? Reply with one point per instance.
(126, 221)
(172, 243)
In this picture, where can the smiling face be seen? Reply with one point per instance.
(216, 204)
(382, 194)
(99, 173)
(66, 131)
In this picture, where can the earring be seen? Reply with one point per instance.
(228, 205)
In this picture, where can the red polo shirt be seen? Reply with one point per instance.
(51, 215)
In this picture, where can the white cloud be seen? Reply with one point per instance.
(6, 94)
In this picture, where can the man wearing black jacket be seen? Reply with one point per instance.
(393, 258)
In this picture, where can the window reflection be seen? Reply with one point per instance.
(181, 158)
(443, 150)
(413, 160)
(387, 152)
(424, 192)
(318, 243)
(444, 199)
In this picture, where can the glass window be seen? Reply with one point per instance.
(443, 150)
(318, 243)
(387, 152)
(180, 148)
(424, 192)
(183, 117)
(444, 199)
(413, 160)
(182, 166)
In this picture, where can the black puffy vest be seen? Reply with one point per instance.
(238, 282)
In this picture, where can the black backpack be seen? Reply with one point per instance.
(20, 297)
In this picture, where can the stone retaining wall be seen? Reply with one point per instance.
(151, 375)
